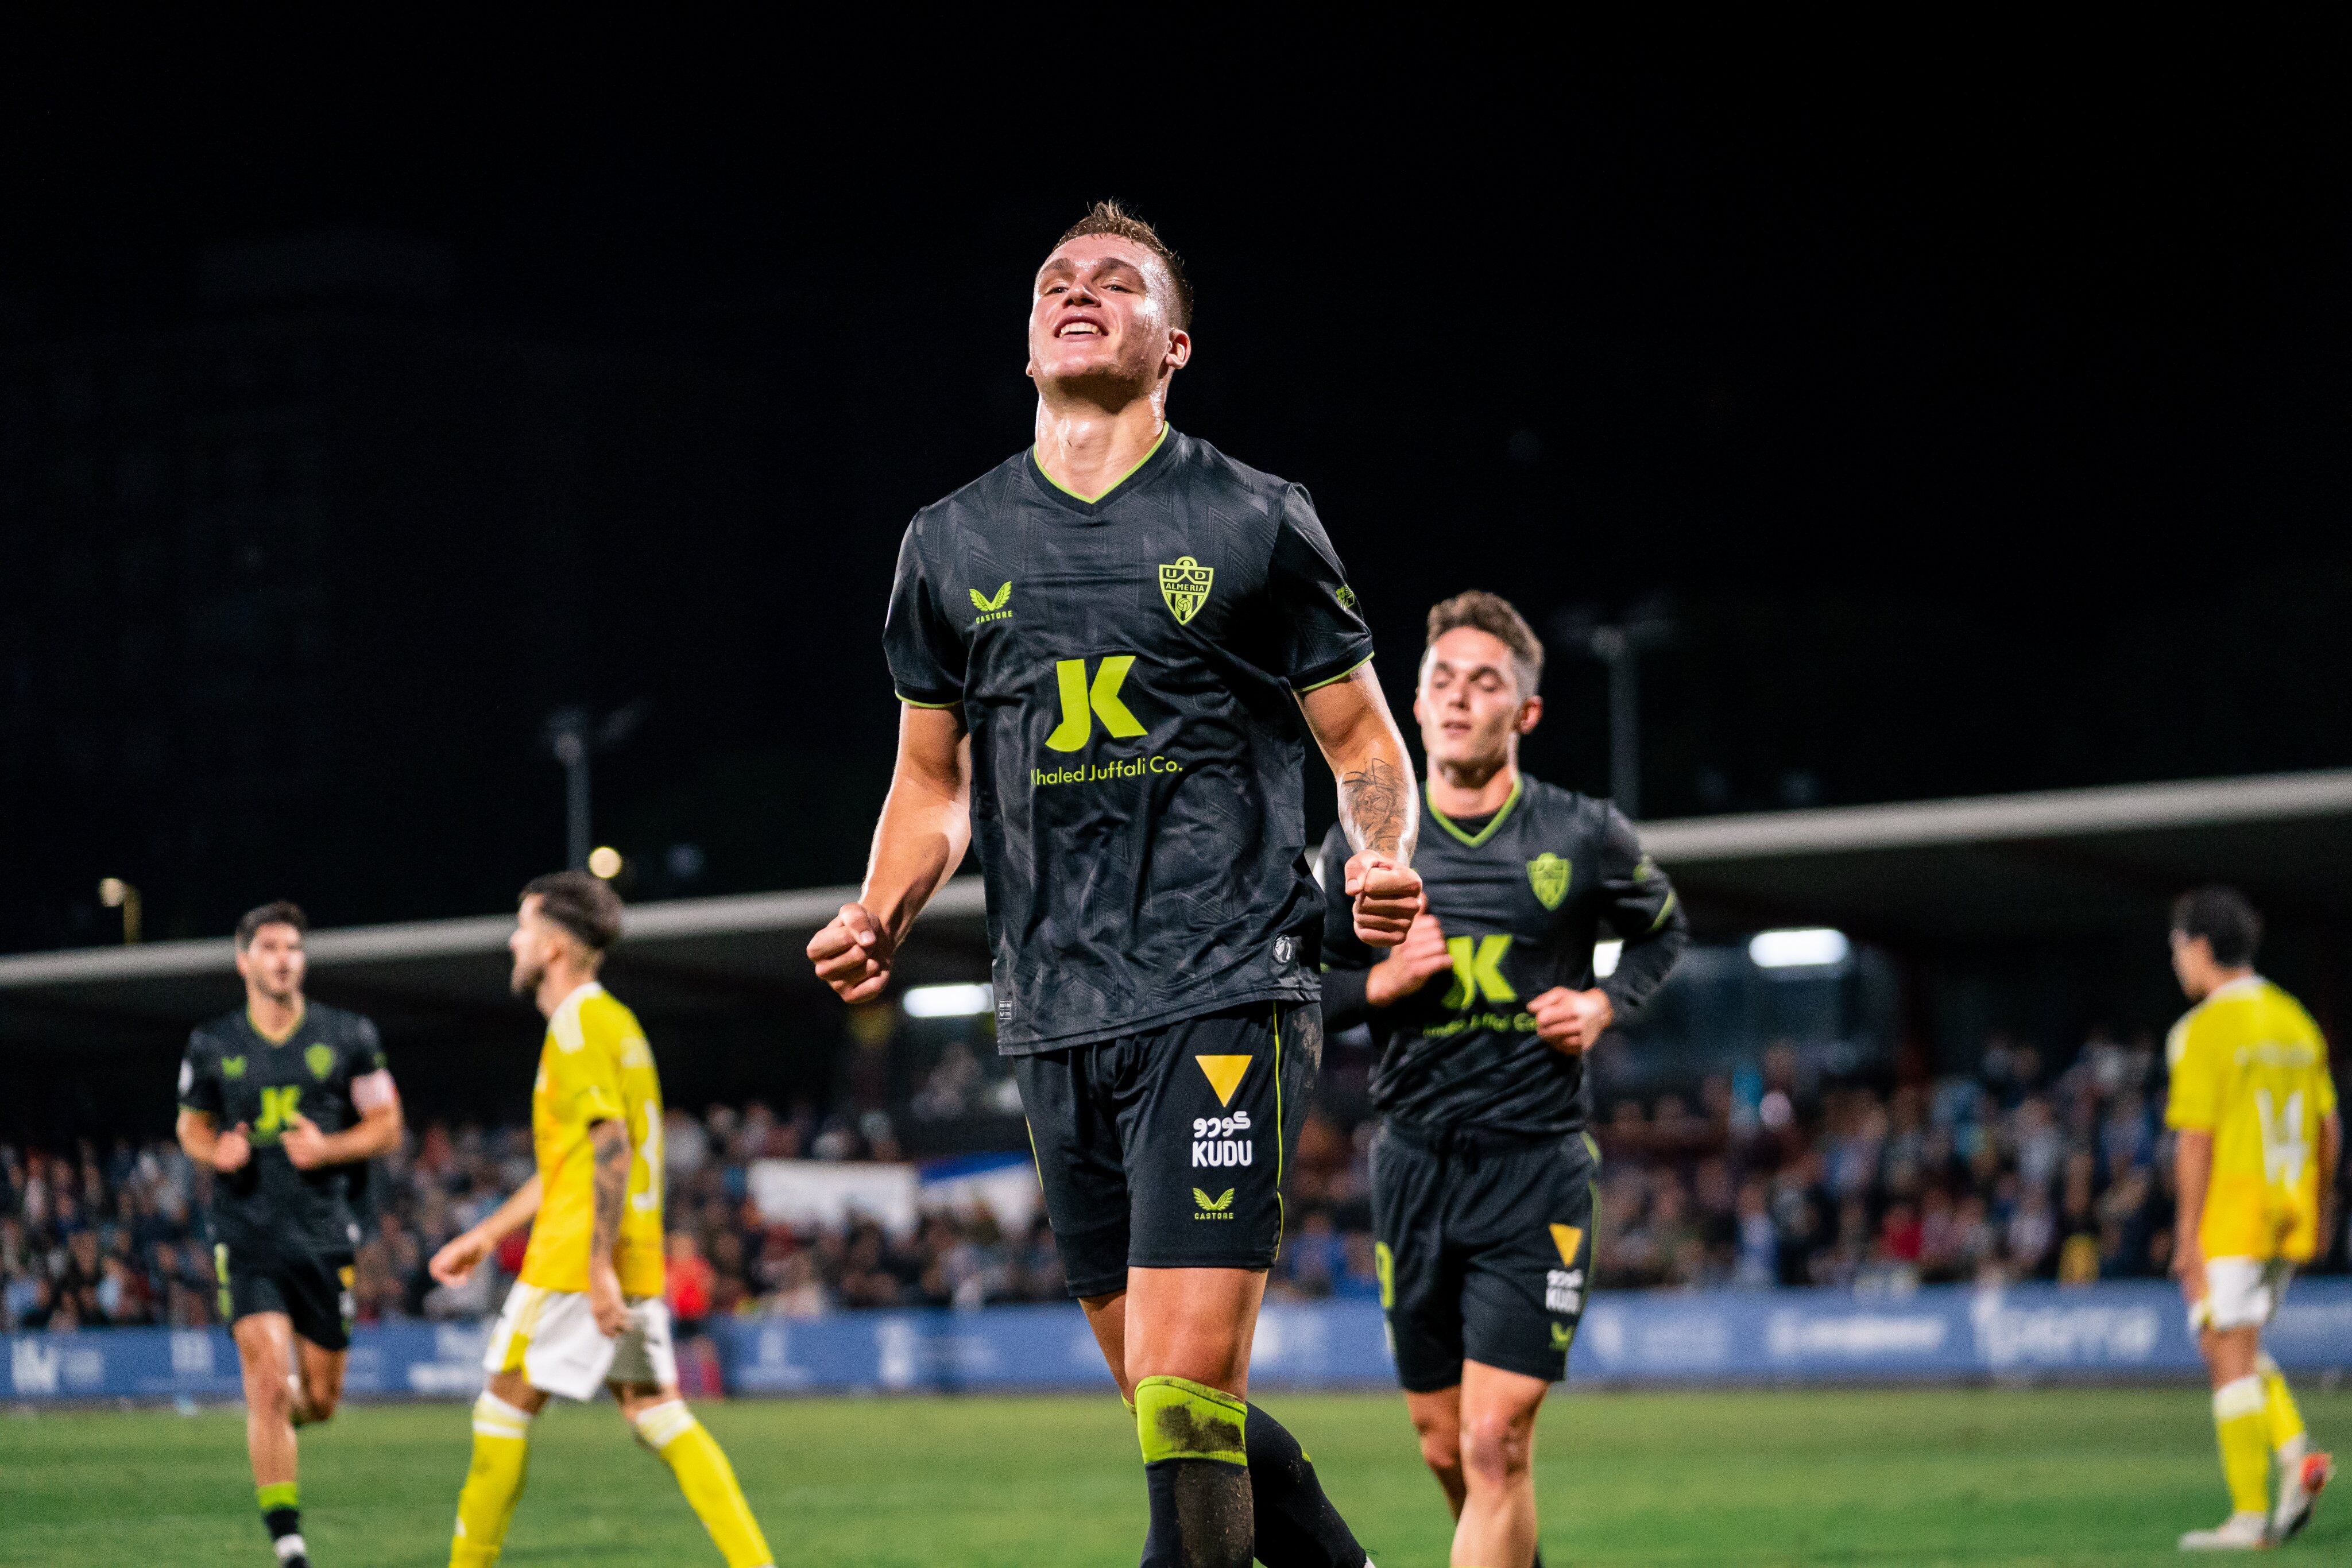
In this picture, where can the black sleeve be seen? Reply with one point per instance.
(919, 638)
(1346, 959)
(365, 1050)
(1323, 636)
(200, 1087)
(1344, 1006)
(1642, 909)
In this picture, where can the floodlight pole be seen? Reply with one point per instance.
(572, 733)
(1620, 647)
(1613, 648)
(567, 734)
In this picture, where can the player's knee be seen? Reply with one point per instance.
(322, 1402)
(269, 1398)
(1495, 1448)
(1441, 1442)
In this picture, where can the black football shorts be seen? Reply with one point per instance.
(1165, 1149)
(1484, 1251)
(312, 1289)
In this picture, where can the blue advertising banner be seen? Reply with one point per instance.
(1951, 1333)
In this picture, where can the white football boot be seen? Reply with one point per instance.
(2299, 1484)
(2239, 1532)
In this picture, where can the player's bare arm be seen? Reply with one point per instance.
(925, 829)
(2193, 1167)
(1379, 809)
(2331, 1154)
(610, 1184)
(458, 1260)
(377, 1133)
(207, 1145)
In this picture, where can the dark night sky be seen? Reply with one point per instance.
(1984, 427)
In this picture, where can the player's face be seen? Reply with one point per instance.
(2192, 965)
(1100, 315)
(273, 963)
(534, 944)
(1468, 703)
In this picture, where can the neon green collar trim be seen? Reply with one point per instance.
(301, 1015)
(1493, 822)
(1090, 500)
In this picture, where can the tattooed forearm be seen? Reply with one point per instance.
(1372, 803)
(611, 1142)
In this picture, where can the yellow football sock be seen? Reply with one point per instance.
(2279, 1412)
(708, 1481)
(493, 1481)
(2244, 1434)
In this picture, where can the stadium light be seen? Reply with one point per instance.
(1604, 958)
(604, 860)
(1806, 948)
(948, 1001)
(116, 894)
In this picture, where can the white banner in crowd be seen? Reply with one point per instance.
(830, 1194)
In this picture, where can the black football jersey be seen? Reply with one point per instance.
(1521, 901)
(1129, 668)
(236, 1074)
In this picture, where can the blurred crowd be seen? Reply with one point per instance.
(1769, 1177)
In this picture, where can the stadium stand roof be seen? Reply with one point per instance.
(1992, 868)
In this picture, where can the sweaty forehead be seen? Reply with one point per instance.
(1088, 251)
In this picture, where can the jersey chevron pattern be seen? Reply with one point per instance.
(2250, 1067)
(236, 1074)
(595, 1066)
(1128, 668)
(1521, 901)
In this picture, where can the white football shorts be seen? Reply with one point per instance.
(2240, 1292)
(552, 1338)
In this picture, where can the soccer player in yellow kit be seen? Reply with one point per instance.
(2257, 1136)
(588, 1307)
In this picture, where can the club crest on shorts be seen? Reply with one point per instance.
(1185, 586)
(1548, 874)
(322, 1060)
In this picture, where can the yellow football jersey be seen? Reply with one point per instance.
(595, 1066)
(2250, 1067)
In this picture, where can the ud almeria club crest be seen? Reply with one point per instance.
(1185, 587)
(1547, 874)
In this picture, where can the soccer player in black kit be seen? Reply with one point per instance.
(1482, 1172)
(284, 1102)
(1105, 648)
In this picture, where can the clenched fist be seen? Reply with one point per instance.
(1388, 896)
(1412, 964)
(1572, 1021)
(852, 954)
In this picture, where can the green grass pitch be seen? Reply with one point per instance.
(2057, 1476)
